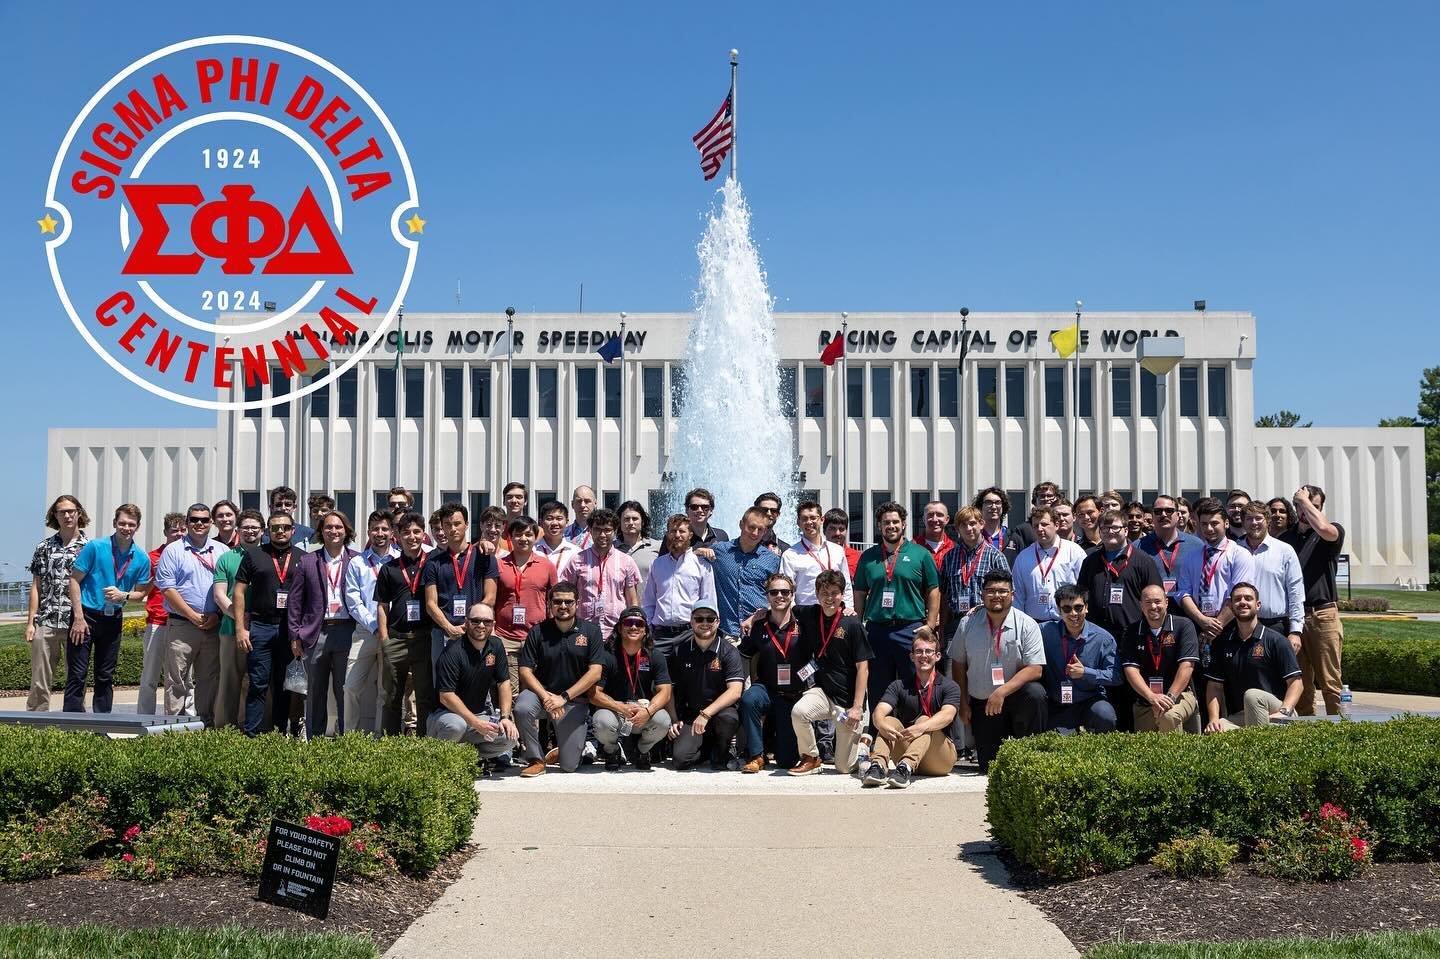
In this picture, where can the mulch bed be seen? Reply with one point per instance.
(381, 909)
(1141, 904)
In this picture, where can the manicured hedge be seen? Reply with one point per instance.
(15, 666)
(420, 790)
(1397, 665)
(36, 941)
(1070, 806)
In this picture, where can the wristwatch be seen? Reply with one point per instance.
(1287, 710)
(508, 716)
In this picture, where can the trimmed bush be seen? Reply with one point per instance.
(1199, 855)
(1071, 806)
(1398, 665)
(1365, 604)
(15, 665)
(420, 791)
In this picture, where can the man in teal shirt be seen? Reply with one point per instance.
(229, 707)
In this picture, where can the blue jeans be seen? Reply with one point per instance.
(1095, 714)
(325, 662)
(756, 706)
(891, 644)
(269, 655)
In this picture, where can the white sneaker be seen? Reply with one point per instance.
(862, 759)
(588, 754)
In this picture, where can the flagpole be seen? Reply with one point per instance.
(624, 433)
(734, 117)
(1074, 407)
(509, 386)
(399, 393)
(844, 416)
(960, 477)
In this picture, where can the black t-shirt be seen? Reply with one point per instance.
(1265, 661)
(629, 679)
(472, 674)
(1177, 643)
(560, 659)
(440, 570)
(1136, 572)
(258, 572)
(397, 584)
(908, 703)
(779, 654)
(848, 645)
(701, 675)
(1317, 561)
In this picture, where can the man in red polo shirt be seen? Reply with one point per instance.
(521, 594)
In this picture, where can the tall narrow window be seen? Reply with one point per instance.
(787, 391)
(949, 391)
(415, 392)
(1054, 391)
(1085, 408)
(612, 392)
(384, 391)
(584, 393)
(1015, 391)
(349, 394)
(1120, 391)
(919, 391)
(480, 393)
(453, 387)
(1149, 402)
(254, 393)
(1189, 391)
(1217, 397)
(520, 393)
(279, 386)
(815, 391)
(880, 380)
(987, 390)
(319, 399)
(547, 392)
(855, 391)
(652, 383)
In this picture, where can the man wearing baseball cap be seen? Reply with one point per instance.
(707, 677)
(632, 694)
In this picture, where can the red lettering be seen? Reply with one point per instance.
(136, 332)
(316, 344)
(306, 98)
(139, 117)
(252, 361)
(328, 257)
(334, 140)
(170, 99)
(371, 151)
(197, 350)
(104, 313)
(287, 351)
(145, 256)
(364, 306)
(243, 74)
(164, 350)
(364, 184)
(223, 380)
(83, 182)
(207, 73)
(339, 326)
(121, 147)
(329, 115)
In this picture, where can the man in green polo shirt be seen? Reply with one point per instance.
(897, 590)
(229, 707)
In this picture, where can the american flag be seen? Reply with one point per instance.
(715, 140)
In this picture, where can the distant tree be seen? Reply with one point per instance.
(1283, 420)
(1427, 415)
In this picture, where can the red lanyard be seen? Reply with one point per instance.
(1208, 570)
(789, 637)
(1039, 562)
(339, 572)
(1169, 563)
(633, 675)
(828, 634)
(967, 573)
(462, 571)
(998, 539)
(605, 559)
(890, 562)
(824, 551)
(1065, 646)
(120, 567)
(281, 573)
(413, 584)
(1115, 573)
(926, 704)
(995, 634)
(519, 571)
(200, 557)
(1155, 646)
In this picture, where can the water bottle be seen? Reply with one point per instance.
(839, 713)
(491, 718)
(1347, 699)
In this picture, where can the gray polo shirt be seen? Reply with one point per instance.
(973, 646)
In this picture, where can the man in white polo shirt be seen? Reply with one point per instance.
(812, 555)
(1044, 566)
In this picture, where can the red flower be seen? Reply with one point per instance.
(128, 857)
(373, 826)
(1332, 811)
(131, 833)
(1358, 848)
(359, 845)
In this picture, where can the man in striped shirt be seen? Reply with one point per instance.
(963, 571)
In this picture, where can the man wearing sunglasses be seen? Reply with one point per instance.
(186, 575)
(781, 659)
(229, 708)
(1079, 668)
(560, 661)
(263, 583)
(631, 698)
(707, 677)
(1170, 547)
(472, 681)
(699, 509)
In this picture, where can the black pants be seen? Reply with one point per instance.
(1025, 713)
(104, 639)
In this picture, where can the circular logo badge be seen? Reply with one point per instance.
(225, 211)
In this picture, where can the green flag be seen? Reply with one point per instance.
(400, 343)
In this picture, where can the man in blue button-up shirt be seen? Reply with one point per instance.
(1079, 667)
(741, 567)
(186, 575)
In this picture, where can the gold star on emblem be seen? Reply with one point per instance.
(48, 224)
(415, 224)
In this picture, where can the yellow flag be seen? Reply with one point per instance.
(1066, 341)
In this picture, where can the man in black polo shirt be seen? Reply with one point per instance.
(1159, 656)
(841, 669)
(1251, 667)
(455, 578)
(560, 661)
(472, 681)
(778, 654)
(912, 720)
(404, 628)
(632, 694)
(262, 596)
(707, 676)
(1319, 543)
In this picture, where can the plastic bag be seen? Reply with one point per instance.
(296, 678)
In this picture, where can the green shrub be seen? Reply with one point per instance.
(33, 848)
(1365, 604)
(1323, 847)
(183, 843)
(420, 791)
(1398, 665)
(15, 665)
(1202, 854)
(1070, 806)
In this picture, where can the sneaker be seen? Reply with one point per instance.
(899, 776)
(612, 761)
(589, 754)
(862, 757)
(642, 762)
(552, 758)
(874, 776)
(502, 761)
(806, 766)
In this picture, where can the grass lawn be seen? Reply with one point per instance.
(1390, 629)
(36, 941)
(1404, 600)
(1385, 945)
(12, 633)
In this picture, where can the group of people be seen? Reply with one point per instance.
(580, 637)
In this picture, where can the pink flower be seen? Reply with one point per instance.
(1332, 811)
(131, 833)
(128, 857)
(359, 845)
(373, 826)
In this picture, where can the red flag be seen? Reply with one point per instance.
(833, 350)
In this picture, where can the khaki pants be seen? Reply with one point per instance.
(932, 754)
(229, 703)
(1182, 714)
(1320, 661)
(512, 656)
(1258, 706)
(152, 667)
(44, 660)
(362, 683)
(192, 669)
(816, 707)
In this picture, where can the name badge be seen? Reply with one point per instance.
(887, 599)
(782, 674)
(962, 605)
(412, 611)
(1207, 606)
(997, 675)
(1047, 597)
(333, 607)
(1067, 694)
(457, 607)
(1169, 586)
(1117, 595)
(1157, 685)
(282, 598)
(807, 671)
(517, 615)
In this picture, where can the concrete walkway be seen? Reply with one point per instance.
(748, 868)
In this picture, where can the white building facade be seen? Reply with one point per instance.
(917, 422)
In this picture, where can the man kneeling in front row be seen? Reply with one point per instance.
(912, 721)
(473, 682)
(1250, 664)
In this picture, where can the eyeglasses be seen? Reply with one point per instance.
(250, 529)
(281, 527)
(67, 512)
(1163, 510)
(1073, 608)
(772, 510)
(701, 620)
(926, 652)
(196, 520)
(633, 623)
(698, 507)
(780, 592)
(996, 591)
(399, 504)
(1112, 529)
(562, 602)
(480, 621)
(991, 502)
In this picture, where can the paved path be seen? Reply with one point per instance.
(731, 866)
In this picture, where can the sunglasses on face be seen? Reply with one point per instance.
(1164, 510)
(399, 505)
(562, 602)
(699, 508)
(480, 621)
(704, 619)
(633, 623)
(780, 592)
(197, 519)
(281, 528)
(1077, 608)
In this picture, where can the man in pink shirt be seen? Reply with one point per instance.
(607, 580)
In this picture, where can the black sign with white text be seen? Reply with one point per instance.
(299, 870)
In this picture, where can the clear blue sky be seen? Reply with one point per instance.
(1275, 157)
